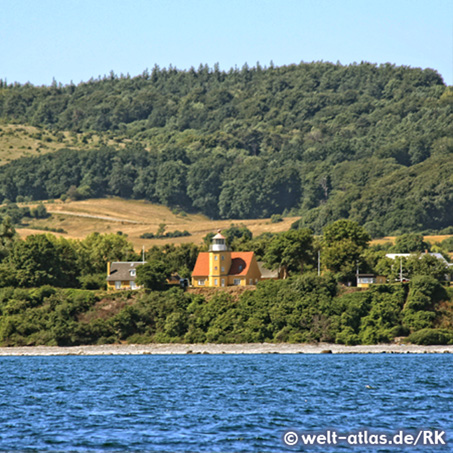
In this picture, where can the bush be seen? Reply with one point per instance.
(169, 234)
(431, 336)
(276, 218)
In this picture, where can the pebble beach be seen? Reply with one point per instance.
(250, 348)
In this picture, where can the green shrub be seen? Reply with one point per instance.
(276, 218)
(431, 336)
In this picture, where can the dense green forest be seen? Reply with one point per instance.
(370, 143)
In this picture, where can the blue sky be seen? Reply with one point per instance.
(74, 40)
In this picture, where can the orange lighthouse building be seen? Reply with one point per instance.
(221, 267)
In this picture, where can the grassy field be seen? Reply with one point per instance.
(18, 141)
(391, 239)
(132, 217)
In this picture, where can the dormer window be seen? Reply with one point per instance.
(132, 272)
(240, 267)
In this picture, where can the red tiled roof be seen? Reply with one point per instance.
(201, 268)
(240, 264)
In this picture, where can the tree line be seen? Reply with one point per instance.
(323, 141)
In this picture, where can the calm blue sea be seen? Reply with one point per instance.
(220, 403)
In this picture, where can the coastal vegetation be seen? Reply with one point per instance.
(304, 308)
(52, 292)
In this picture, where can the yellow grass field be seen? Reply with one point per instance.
(132, 217)
(391, 239)
(18, 141)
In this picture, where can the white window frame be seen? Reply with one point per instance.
(201, 282)
(237, 281)
(117, 284)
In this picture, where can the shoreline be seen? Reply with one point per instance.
(210, 348)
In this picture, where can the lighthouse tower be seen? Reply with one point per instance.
(219, 261)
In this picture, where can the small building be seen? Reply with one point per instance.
(439, 256)
(122, 275)
(365, 280)
(221, 267)
(269, 274)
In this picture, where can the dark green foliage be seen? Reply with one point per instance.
(43, 260)
(431, 337)
(425, 293)
(7, 238)
(364, 142)
(168, 234)
(410, 243)
(236, 235)
(305, 308)
(96, 250)
(344, 241)
(180, 260)
(14, 213)
(447, 244)
(153, 275)
(40, 212)
(290, 251)
(276, 218)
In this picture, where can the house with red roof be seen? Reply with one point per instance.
(221, 267)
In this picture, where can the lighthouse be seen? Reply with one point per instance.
(219, 261)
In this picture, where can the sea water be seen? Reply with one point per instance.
(220, 403)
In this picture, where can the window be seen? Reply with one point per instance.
(223, 258)
(216, 282)
(240, 267)
(215, 257)
(132, 272)
(237, 281)
(133, 284)
(117, 285)
(251, 281)
(223, 281)
(200, 282)
(223, 269)
(215, 268)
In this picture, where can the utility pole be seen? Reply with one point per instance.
(319, 263)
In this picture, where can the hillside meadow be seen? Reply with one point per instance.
(22, 140)
(134, 218)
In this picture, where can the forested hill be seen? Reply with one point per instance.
(372, 143)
